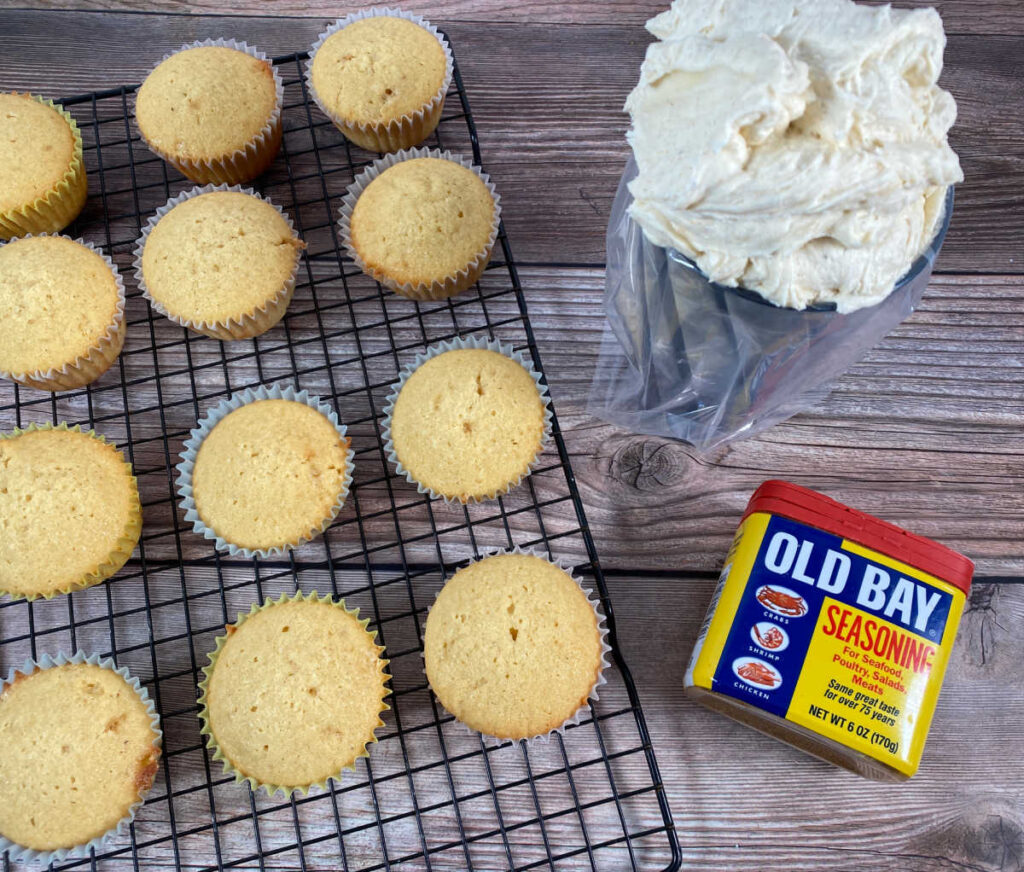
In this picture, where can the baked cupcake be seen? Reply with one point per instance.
(220, 261)
(62, 307)
(514, 647)
(293, 693)
(381, 76)
(212, 109)
(421, 222)
(79, 748)
(467, 420)
(265, 471)
(42, 177)
(70, 508)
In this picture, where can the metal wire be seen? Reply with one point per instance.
(431, 795)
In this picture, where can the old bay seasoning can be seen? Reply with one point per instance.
(830, 630)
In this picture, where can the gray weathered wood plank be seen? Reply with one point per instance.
(548, 101)
(924, 432)
(741, 800)
(744, 801)
(960, 16)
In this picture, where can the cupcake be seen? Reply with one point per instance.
(62, 307)
(381, 76)
(421, 222)
(70, 508)
(79, 748)
(42, 177)
(220, 261)
(467, 420)
(265, 471)
(293, 693)
(212, 109)
(514, 647)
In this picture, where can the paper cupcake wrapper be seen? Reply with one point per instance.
(126, 541)
(59, 206)
(577, 716)
(403, 132)
(437, 289)
(253, 323)
(105, 841)
(204, 713)
(463, 342)
(244, 163)
(213, 417)
(97, 360)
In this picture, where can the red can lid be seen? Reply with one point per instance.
(817, 510)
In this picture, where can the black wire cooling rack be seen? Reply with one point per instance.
(432, 795)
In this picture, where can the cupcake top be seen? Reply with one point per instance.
(220, 255)
(58, 299)
(270, 474)
(71, 511)
(422, 220)
(512, 646)
(37, 149)
(378, 69)
(205, 103)
(294, 693)
(67, 779)
(468, 423)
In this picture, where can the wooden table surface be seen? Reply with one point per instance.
(926, 431)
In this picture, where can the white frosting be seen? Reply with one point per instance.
(794, 147)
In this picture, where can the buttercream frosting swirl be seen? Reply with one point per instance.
(793, 147)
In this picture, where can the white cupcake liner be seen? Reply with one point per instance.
(212, 418)
(98, 359)
(254, 323)
(247, 162)
(464, 342)
(436, 290)
(103, 842)
(404, 132)
(206, 730)
(577, 716)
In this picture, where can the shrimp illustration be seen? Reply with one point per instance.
(770, 639)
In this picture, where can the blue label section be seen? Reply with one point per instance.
(796, 568)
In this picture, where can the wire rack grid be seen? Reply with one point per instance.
(432, 795)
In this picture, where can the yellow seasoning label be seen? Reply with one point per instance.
(828, 634)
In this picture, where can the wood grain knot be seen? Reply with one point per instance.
(980, 624)
(646, 464)
(980, 840)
